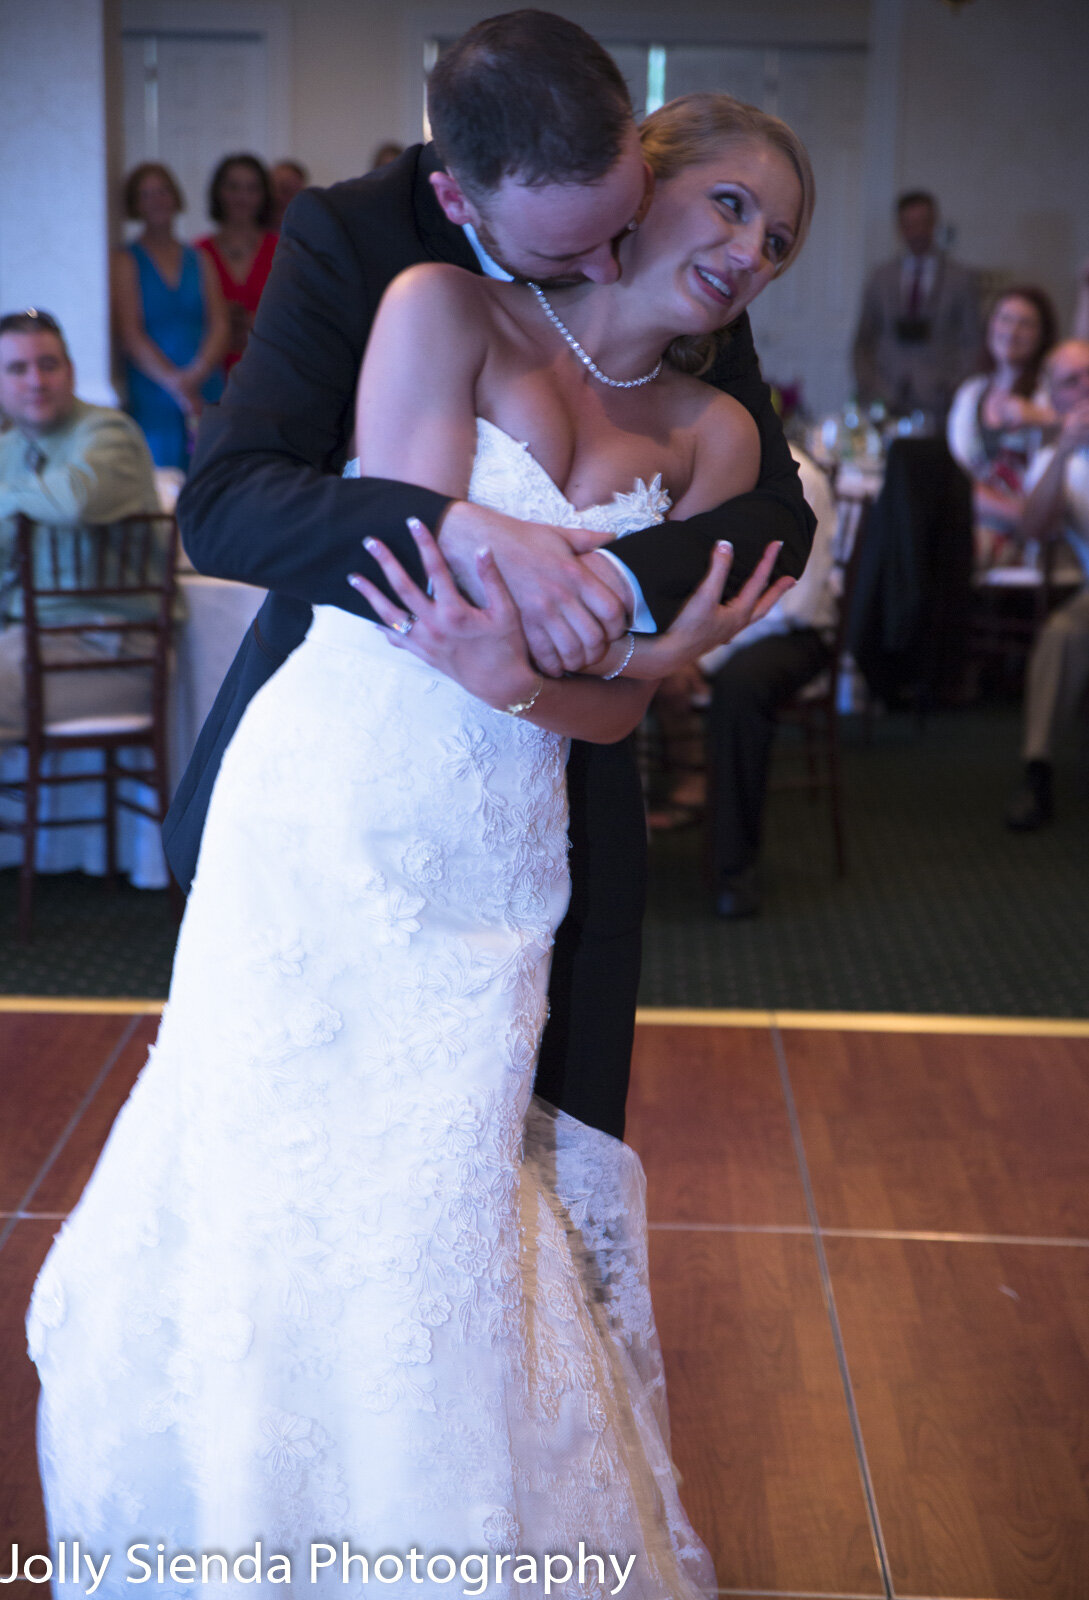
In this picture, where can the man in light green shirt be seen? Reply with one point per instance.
(62, 462)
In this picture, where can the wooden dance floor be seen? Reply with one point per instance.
(870, 1254)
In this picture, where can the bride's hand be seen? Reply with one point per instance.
(568, 611)
(703, 623)
(480, 647)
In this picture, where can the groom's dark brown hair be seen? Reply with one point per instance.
(530, 95)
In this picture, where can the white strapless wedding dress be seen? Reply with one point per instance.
(337, 1275)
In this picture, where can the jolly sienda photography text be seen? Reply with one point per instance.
(70, 1563)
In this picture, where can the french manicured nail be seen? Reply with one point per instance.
(414, 523)
(370, 544)
(485, 550)
(726, 547)
(356, 581)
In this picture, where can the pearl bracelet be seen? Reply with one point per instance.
(605, 676)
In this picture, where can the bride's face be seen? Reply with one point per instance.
(716, 234)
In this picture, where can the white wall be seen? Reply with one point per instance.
(994, 117)
(351, 70)
(54, 209)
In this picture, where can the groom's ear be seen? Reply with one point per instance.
(448, 193)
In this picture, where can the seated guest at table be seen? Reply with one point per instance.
(288, 178)
(1057, 507)
(997, 418)
(241, 250)
(170, 317)
(750, 679)
(62, 462)
(918, 329)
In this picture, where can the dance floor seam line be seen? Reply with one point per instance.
(49, 1005)
(69, 1128)
(910, 1235)
(865, 1022)
(828, 1294)
(675, 1017)
(797, 1229)
(801, 1229)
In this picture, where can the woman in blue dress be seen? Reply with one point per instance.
(171, 319)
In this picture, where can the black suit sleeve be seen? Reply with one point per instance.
(263, 503)
(669, 561)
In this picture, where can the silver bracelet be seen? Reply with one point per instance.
(605, 676)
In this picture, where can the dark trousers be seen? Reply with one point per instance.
(585, 1057)
(746, 694)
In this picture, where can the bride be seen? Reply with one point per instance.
(339, 1288)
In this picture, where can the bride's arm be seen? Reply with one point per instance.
(483, 647)
(415, 414)
(416, 422)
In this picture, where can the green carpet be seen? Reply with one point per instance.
(942, 909)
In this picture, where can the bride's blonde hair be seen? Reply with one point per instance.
(693, 128)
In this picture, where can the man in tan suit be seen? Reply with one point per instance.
(919, 330)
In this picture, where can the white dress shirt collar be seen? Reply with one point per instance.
(490, 268)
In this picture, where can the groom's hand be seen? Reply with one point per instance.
(569, 612)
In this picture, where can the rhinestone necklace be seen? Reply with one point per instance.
(584, 355)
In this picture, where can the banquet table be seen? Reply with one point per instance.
(217, 614)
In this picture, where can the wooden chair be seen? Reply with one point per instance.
(1011, 604)
(815, 708)
(102, 568)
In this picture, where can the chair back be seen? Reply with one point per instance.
(114, 581)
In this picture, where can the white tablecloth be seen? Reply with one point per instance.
(217, 615)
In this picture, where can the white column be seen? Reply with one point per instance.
(54, 202)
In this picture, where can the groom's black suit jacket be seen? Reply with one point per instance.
(265, 504)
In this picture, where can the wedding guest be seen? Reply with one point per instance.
(240, 199)
(62, 462)
(918, 332)
(1057, 507)
(997, 418)
(288, 178)
(170, 316)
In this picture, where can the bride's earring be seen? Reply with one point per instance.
(632, 225)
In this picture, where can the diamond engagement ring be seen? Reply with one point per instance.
(405, 625)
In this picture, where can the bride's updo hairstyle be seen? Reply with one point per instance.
(693, 129)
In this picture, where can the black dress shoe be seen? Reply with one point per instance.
(1033, 805)
(738, 896)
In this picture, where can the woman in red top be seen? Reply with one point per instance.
(240, 200)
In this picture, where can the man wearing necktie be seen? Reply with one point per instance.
(919, 330)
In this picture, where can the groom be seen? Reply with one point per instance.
(535, 172)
